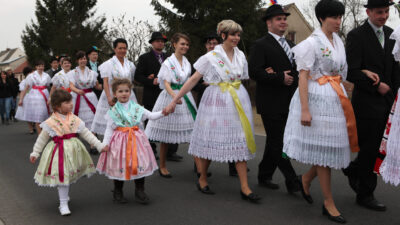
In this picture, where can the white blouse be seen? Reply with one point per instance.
(60, 80)
(172, 71)
(113, 68)
(35, 79)
(83, 80)
(317, 55)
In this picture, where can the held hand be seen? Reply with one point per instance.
(170, 108)
(32, 159)
(288, 80)
(81, 92)
(155, 81)
(151, 76)
(20, 102)
(306, 118)
(48, 101)
(105, 149)
(270, 70)
(383, 88)
(111, 101)
(373, 76)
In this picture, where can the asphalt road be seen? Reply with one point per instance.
(173, 201)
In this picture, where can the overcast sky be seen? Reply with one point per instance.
(15, 14)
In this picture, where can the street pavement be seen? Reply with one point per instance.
(173, 201)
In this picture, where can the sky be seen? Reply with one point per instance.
(16, 14)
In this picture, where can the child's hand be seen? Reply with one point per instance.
(105, 149)
(32, 159)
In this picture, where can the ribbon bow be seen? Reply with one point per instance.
(334, 81)
(59, 141)
(131, 160)
(227, 86)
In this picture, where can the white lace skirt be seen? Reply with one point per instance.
(34, 107)
(99, 124)
(85, 113)
(325, 142)
(218, 134)
(390, 168)
(175, 128)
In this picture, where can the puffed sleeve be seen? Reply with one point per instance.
(106, 69)
(164, 74)
(304, 55)
(22, 85)
(48, 79)
(95, 75)
(132, 70)
(202, 65)
(245, 75)
(70, 76)
(396, 50)
(29, 80)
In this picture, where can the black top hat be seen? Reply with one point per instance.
(274, 10)
(157, 36)
(211, 36)
(378, 4)
(92, 49)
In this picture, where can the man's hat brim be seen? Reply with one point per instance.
(373, 6)
(269, 16)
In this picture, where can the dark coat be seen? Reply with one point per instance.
(365, 52)
(148, 64)
(272, 95)
(99, 79)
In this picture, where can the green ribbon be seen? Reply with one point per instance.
(188, 103)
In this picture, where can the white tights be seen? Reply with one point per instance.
(63, 194)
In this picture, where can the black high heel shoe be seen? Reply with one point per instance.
(205, 190)
(307, 197)
(337, 219)
(253, 198)
(164, 175)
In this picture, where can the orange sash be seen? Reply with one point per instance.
(334, 81)
(131, 151)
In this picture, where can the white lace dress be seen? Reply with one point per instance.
(111, 69)
(60, 80)
(218, 134)
(84, 81)
(34, 104)
(177, 127)
(325, 142)
(20, 109)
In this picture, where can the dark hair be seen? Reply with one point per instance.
(27, 70)
(328, 8)
(39, 62)
(79, 55)
(66, 58)
(117, 82)
(54, 58)
(177, 36)
(58, 97)
(119, 40)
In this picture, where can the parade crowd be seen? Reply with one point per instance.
(299, 94)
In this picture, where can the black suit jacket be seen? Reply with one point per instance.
(99, 79)
(148, 64)
(365, 52)
(272, 95)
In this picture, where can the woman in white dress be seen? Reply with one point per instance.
(223, 130)
(36, 108)
(116, 67)
(60, 79)
(316, 131)
(20, 109)
(177, 127)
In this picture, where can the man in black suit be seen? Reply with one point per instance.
(146, 73)
(54, 67)
(271, 65)
(93, 64)
(369, 53)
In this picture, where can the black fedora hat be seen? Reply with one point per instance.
(158, 36)
(274, 10)
(378, 4)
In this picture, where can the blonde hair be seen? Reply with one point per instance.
(228, 27)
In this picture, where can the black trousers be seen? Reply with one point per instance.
(272, 159)
(370, 132)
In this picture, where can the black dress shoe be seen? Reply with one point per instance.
(165, 175)
(337, 219)
(268, 184)
(292, 185)
(371, 203)
(141, 197)
(174, 157)
(205, 190)
(250, 197)
(307, 197)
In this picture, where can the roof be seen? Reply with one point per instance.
(21, 67)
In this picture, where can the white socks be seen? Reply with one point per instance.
(64, 198)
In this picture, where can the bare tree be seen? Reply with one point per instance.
(135, 32)
(353, 17)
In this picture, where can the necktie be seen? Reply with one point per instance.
(379, 34)
(160, 59)
(286, 48)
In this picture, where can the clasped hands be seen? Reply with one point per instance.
(288, 80)
(383, 88)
